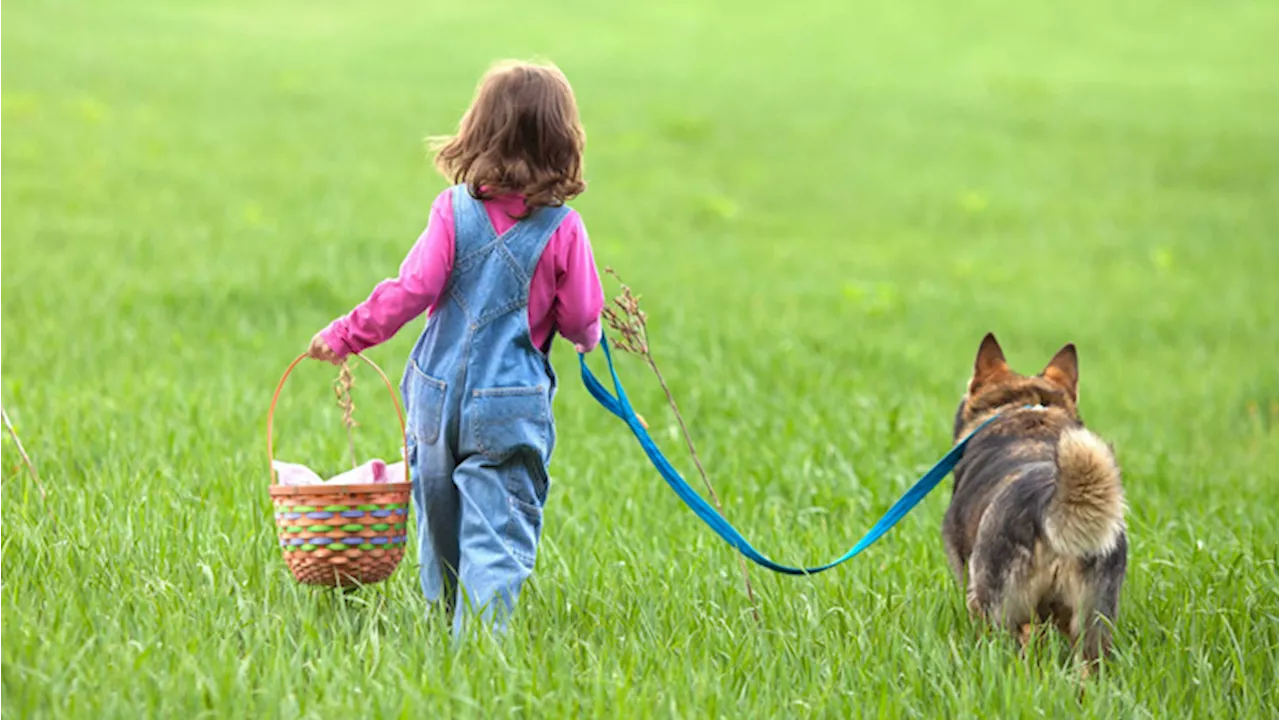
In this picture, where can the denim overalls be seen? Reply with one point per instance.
(478, 395)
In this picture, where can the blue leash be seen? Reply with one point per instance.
(621, 407)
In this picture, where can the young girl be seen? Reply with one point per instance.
(502, 267)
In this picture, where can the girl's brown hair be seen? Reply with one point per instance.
(521, 136)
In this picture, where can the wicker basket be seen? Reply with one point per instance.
(340, 535)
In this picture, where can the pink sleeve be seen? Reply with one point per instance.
(396, 301)
(579, 297)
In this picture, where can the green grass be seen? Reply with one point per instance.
(825, 208)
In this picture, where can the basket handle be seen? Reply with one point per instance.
(271, 412)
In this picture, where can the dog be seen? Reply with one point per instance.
(1035, 531)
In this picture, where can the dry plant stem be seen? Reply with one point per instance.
(629, 321)
(342, 388)
(742, 563)
(31, 468)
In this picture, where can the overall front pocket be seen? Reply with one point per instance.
(510, 420)
(424, 399)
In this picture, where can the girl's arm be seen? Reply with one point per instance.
(579, 296)
(396, 301)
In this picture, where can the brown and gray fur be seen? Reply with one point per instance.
(1035, 530)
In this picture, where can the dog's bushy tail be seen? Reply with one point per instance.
(1086, 516)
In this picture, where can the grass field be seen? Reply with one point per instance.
(824, 207)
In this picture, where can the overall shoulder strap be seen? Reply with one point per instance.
(527, 240)
(472, 228)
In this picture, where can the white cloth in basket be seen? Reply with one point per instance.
(373, 472)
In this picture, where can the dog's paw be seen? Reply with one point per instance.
(1024, 636)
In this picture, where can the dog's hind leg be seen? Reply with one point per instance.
(1094, 591)
(957, 565)
(974, 603)
(1091, 631)
(997, 593)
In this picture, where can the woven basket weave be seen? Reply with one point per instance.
(340, 535)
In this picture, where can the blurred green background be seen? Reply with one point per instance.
(824, 206)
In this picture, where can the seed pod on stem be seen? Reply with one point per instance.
(342, 389)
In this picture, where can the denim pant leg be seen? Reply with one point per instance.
(501, 524)
(435, 502)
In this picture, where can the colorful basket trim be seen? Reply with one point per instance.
(349, 543)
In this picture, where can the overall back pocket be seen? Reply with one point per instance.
(510, 420)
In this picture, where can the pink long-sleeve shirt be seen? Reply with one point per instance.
(565, 295)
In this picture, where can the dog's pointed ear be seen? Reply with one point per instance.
(990, 363)
(1064, 371)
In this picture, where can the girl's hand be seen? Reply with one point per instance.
(320, 350)
(580, 349)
